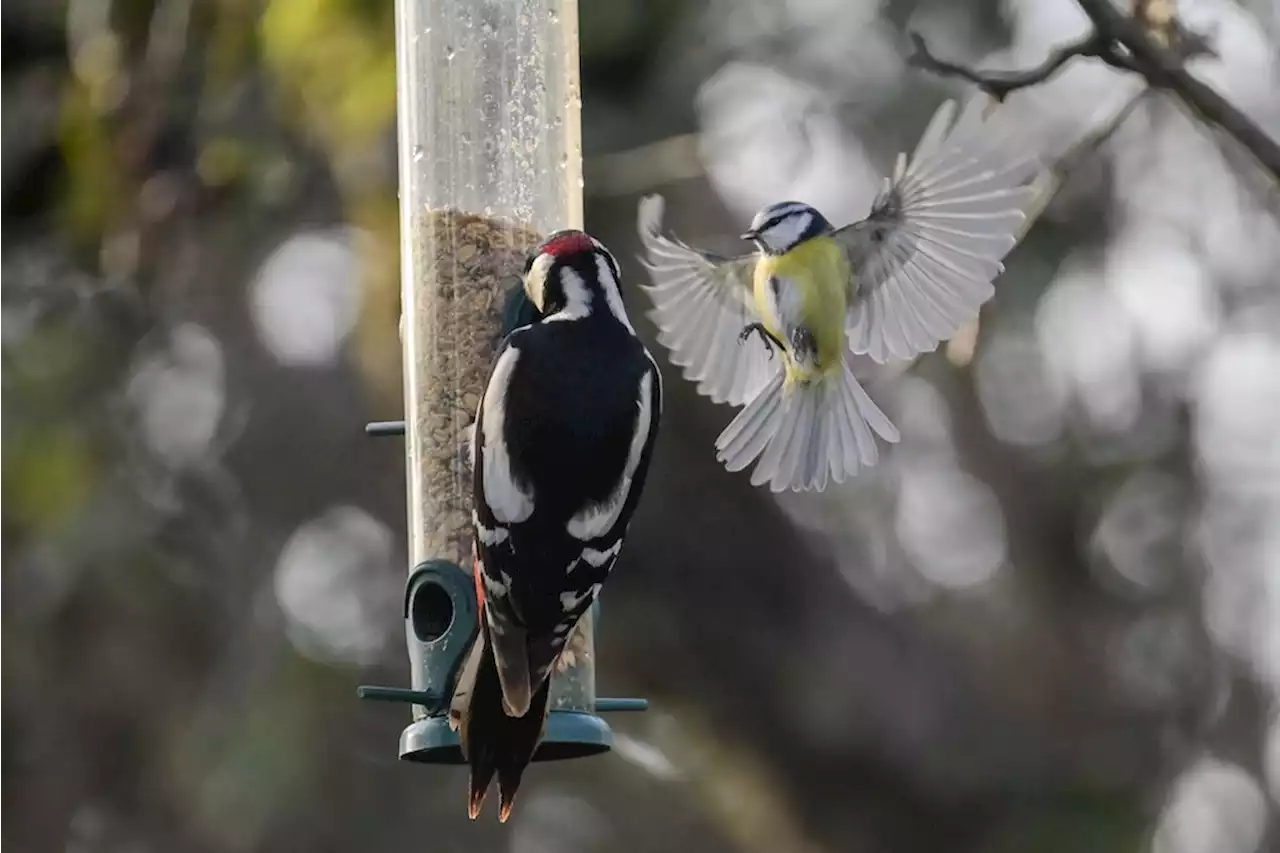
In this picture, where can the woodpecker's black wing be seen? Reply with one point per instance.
(562, 446)
(564, 439)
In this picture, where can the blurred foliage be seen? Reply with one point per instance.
(333, 62)
(47, 476)
(333, 67)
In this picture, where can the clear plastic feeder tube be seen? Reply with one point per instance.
(490, 161)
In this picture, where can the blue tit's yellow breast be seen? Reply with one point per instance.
(818, 268)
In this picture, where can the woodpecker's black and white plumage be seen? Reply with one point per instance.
(560, 451)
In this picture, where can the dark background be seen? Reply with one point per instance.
(1047, 622)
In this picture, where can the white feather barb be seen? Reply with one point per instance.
(700, 305)
(806, 434)
(926, 258)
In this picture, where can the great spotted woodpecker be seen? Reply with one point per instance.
(560, 451)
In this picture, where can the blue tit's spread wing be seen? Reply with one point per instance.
(702, 302)
(925, 258)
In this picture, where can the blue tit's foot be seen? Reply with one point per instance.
(758, 329)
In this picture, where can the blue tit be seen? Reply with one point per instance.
(893, 285)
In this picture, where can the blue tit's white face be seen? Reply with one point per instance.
(779, 228)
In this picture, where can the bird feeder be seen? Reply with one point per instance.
(490, 160)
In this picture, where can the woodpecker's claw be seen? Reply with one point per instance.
(758, 329)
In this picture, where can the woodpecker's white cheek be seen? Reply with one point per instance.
(535, 281)
(509, 502)
(595, 521)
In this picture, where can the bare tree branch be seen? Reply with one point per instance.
(1159, 18)
(1152, 43)
(998, 84)
(1164, 69)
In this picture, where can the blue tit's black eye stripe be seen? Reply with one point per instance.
(779, 218)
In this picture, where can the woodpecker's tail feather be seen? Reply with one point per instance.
(806, 432)
(493, 742)
(525, 735)
(511, 654)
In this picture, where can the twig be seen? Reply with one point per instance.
(998, 84)
(1164, 69)
(1052, 179)
(1153, 44)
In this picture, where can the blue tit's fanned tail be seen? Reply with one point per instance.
(806, 433)
(746, 435)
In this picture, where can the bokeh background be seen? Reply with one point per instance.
(1048, 621)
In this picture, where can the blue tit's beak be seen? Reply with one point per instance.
(749, 235)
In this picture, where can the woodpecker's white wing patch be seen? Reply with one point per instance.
(489, 536)
(494, 587)
(925, 258)
(701, 304)
(597, 557)
(573, 599)
(508, 500)
(597, 520)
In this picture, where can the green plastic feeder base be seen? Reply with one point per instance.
(440, 622)
(570, 734)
